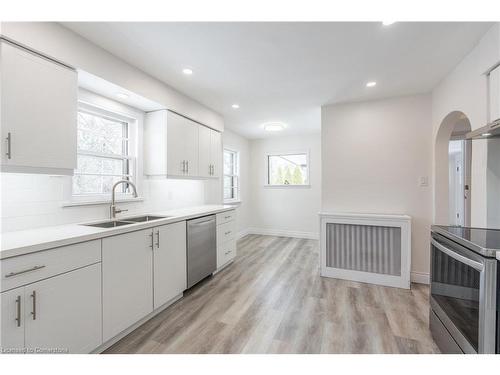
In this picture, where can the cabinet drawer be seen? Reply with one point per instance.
(25, 269)
(225, 232)
(226, 252)
(224, 217)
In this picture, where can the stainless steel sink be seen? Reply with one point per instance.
(109, 224)
(141, 219)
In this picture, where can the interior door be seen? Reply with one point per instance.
(127, 283)
(216, 152)
(12, 320)
(170, 276)
(205, 160)
(64, 312)
(39, 106)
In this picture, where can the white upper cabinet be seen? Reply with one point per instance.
(215, 152)
(205, 165)
(38, 113)
(175, 146)
(495, 94)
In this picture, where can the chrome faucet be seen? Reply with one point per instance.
(112, 209)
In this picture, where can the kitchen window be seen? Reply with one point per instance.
(104, 155)
(288, 169)
(231, 176)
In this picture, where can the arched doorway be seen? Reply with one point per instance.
(452, 171)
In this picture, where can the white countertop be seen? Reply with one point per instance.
(29, 241)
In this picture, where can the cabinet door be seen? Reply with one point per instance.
(176, 145)
(215, 152)
(64, 312)
(170, 276)
(39, 106)
(495, 94)
(205, 160)
(127, 280)
(12, 320)
(191, 151)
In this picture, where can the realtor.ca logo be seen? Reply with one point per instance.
(34, 350)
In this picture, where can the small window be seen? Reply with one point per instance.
(288, 169)
(231, 175)
(104, 153)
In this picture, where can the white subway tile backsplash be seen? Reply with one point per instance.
(31, 201)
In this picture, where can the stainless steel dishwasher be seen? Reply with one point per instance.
(201, 249)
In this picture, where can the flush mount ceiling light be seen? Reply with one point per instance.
(122, 95)
(274, 126)
(371, 84)
(235, 106)
(187, 71)
(388, 23)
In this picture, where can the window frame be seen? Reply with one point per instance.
(131, 154)
(236, 173)
(267, 183)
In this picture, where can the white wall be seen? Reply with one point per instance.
(464, 89)
(373, 154)
(238, 143)
(291, 210)
(64, 45)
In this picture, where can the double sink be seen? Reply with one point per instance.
(126, 221)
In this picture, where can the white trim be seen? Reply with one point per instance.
(401, 221)
(420, 277)
(280, 233)
(77, 203)
(305, 186)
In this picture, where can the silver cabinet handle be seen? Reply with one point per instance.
(33, 309)
(228, 252)
(226, 233)
(18, 311)
(24, 271)
(227, 217)
(9, 150)
(158, 239)
(187, 166)
(152, 240)
(472, 263)
(183, 166)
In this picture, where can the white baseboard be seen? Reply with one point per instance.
(420, 277)
(279, 233)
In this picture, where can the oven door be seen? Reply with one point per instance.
(463, 294)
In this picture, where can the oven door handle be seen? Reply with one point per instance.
(476, 265)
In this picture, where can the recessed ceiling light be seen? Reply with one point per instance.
(388, 23)
(371, 84)
(486, 134)
(187, 71)
(235, 106)
(274, 126)
(122, 95)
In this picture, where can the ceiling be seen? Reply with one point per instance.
(286, 71)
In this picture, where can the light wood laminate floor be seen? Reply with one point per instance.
(272, 300)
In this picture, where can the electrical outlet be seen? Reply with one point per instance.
(423, 181)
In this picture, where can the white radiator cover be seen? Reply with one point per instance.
(371, 248)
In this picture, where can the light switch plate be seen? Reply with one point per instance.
(423, 181)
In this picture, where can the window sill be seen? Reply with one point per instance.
(235, 201)
(100, 202)
(287, 186)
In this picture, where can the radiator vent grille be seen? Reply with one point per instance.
(367, 248)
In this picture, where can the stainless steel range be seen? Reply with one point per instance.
(464, 289)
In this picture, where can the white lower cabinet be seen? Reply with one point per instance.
(58, 314)
(170, 274)
(226, 238)
(127, 280)
(12, 310)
